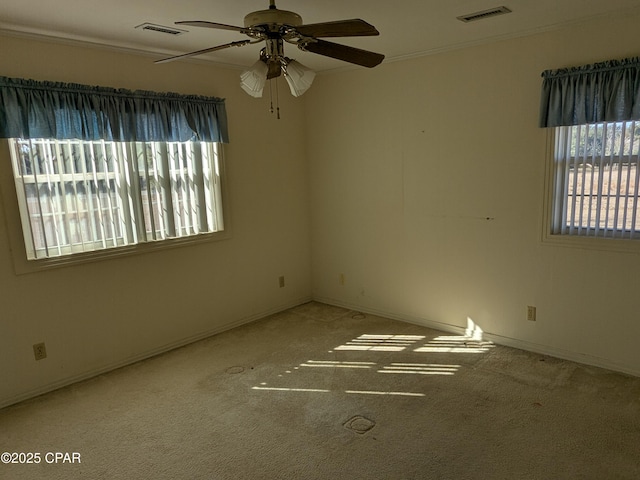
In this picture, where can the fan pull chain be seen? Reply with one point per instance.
(277, 110)
(277, 99)
(270, 97)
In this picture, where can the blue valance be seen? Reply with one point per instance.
(34, 109)
(602, 92)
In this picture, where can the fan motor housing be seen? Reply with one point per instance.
(272, 17)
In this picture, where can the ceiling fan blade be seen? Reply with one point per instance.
(339, 28)
(275, 69)
(220, 26)
(343, 52)
(205, 50)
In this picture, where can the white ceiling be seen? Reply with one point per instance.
(407, 27)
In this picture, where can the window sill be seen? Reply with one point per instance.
(592, 243)
(24, 266)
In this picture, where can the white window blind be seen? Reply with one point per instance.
(596, 178)
(79, 196)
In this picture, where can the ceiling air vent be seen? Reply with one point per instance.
(161, 29)
(493, 12)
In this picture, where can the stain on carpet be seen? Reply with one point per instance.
(359, 424)
(235, 370)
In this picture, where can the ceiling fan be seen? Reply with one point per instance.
(274, 27)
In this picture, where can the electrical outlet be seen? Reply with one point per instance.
(39, 351)
(341, 279)
(281, 281)
(531, 313)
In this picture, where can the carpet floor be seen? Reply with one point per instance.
(321, 392)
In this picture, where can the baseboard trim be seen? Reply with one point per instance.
(50, 387)
(551, 351)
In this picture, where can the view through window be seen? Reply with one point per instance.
(80, 196)
(596, 178)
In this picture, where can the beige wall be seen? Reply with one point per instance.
(407, 162)
(99, 315)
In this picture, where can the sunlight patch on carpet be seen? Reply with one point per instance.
(336, 364)
(381, 343)
(420, 369)
(394, 394)
(281, 389)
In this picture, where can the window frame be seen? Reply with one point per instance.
(551, 191)
(13, 223)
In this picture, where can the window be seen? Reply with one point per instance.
(100, 171)
(595, 179)
(82, 196)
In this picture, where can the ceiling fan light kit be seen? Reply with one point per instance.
(298, 77)
(275, 27)
(253, 80)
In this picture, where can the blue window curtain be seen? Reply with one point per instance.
(36, 109)
(602, 92)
